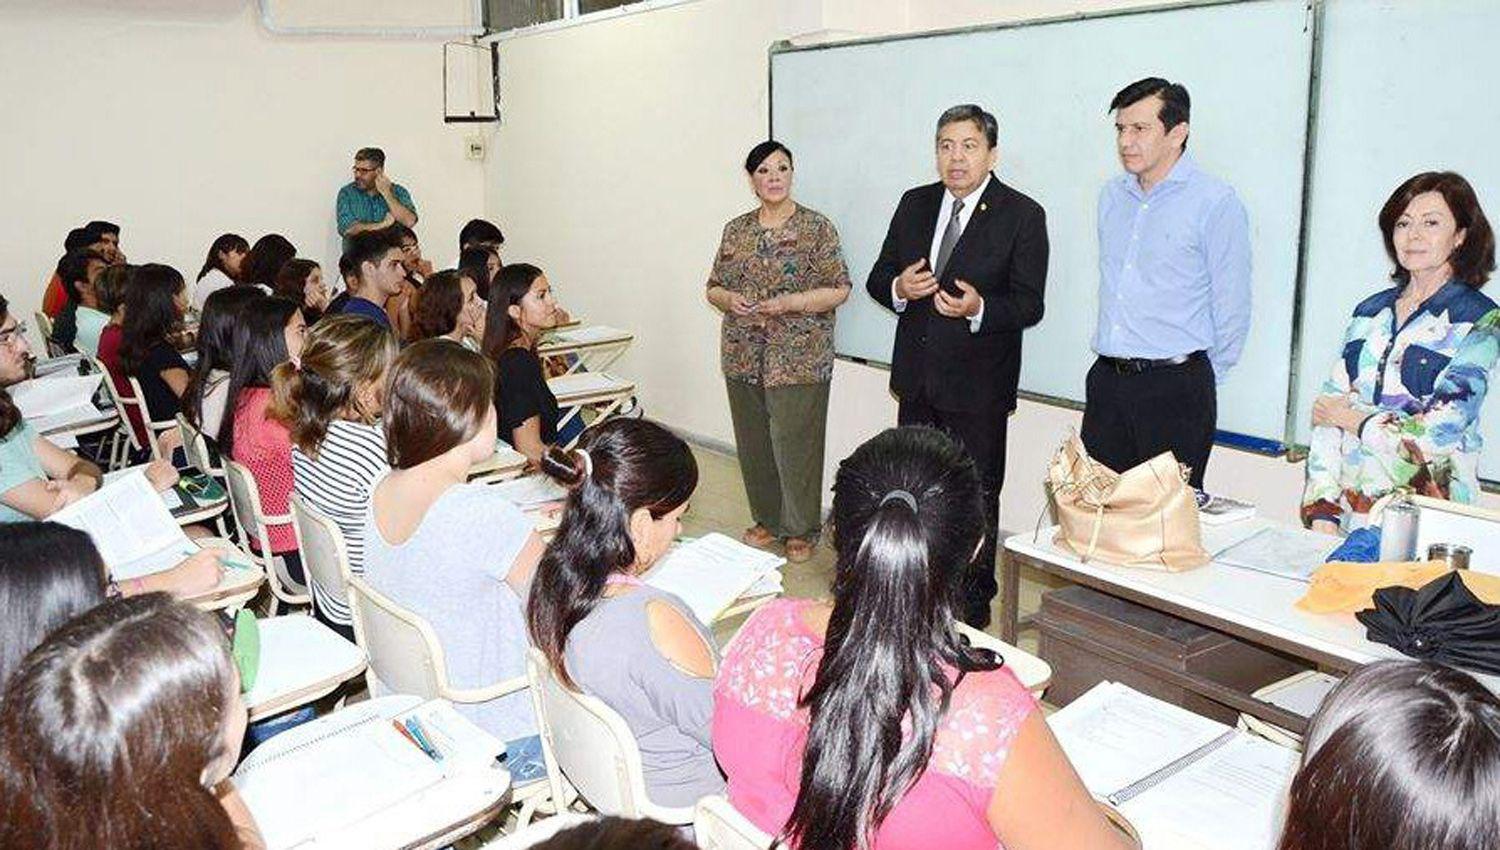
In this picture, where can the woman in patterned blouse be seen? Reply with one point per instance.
(778, 277)
(1401, 408)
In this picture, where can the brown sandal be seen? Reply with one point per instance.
(758, 536)
(799, 551)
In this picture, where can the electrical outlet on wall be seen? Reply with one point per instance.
(474, 147)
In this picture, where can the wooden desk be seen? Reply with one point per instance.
(301, 660)
(594, 348)
(1254, 606)
(434, 817)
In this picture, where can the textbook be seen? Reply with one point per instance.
(710, 573)
(1185, 782)
(354, 764)
(56, 402)
(130, 525)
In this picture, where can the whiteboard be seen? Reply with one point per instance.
(1407, 86)
(860, 119)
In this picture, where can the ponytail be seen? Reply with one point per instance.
(341, 354)
(906, 517)
(622, 466)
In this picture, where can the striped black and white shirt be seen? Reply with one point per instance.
(337, 484)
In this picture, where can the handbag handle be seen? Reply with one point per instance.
(1094, 536)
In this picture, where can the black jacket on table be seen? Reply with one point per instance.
(1002, 254)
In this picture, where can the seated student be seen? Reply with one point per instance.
(203, 403)
(448, 306)
(221, 268)
(416, 270)
(458, 554)
(638, 649)
(98, 236)
(478, 233)
(268, 333)
(1402, 755)
(330, 404)
(375, 274)
(520, 309)
(301, 282)
(264, 261)
(482, 258)
(817, 724)
(347, 280)
(79, 324)
(154, 303)
(50, 573)
(121, 730)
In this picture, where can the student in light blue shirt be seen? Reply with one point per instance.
(1174, 290)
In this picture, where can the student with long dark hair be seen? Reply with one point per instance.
(154, 303)
(1402, 755)
(203, 403)
(301, 282)
(484, 260)
(520, 309)
(120, 731)
(448, 306)
(269, 332)
(221, 268)
(264, 261)
(330, 404)
(458, 554)
(603, 630)
(868, 721)
(50, 573)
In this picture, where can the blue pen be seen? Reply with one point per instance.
(414, 726)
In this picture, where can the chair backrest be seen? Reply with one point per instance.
(44, 329)
(719, 826)
(530, 836)
(244, 501)
(1033, 673)
(153, 427)
(129, 410)
(589, 743)
(324, 555)
(195, 446)
(404, 652)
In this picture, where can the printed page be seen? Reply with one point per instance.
(711, 572)
(1231, 799)
(1290, 552)
(169, 497)
(39, 398)
(61, 366)
(68, 417)
(1115, 735)
(130, 526)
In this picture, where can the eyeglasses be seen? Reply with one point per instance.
(14, 335)
(360, 169)
(409, 247)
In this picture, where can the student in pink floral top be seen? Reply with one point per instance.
(778, 277)
(270, 332)
(867, 722)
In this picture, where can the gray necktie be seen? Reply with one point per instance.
(950, 238)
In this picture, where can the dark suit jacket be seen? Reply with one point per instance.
(1002, 254)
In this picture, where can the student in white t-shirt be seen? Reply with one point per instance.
(221, 268)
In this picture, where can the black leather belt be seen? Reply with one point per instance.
(1137, 365)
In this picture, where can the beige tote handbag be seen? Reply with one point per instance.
(1144, 517)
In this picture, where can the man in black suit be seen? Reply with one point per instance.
(964, 265)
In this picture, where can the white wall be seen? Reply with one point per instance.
(182, 119)
(618, 163)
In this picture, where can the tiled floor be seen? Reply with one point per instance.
(719, 505)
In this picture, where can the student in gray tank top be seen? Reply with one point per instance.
(638, 649)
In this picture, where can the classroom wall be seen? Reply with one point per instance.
(182, 119)
(618, 163)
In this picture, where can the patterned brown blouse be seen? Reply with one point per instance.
(760, 262)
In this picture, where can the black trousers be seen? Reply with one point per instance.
(982, 434)
(1132, 417)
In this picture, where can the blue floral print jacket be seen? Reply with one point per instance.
(1421, 385)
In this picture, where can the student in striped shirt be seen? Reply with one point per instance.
(330, 400)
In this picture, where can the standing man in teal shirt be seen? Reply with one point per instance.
(372, 201)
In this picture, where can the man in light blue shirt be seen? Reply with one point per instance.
(371, 201)
(1174, 290)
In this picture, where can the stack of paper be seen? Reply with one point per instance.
(54, 402)
(1294, 553)
(130, 526)
(1183, 780)
(710, 573)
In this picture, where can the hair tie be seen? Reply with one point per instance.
(900, 496)
(588, 462)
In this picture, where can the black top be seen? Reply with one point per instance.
(161, 403)
(522, 393)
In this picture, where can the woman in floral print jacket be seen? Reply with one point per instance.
(1401, 408)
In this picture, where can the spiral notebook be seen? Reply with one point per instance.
(1183, 780)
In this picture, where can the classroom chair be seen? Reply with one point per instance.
(44, 327)
(154, 429)
(254, 522)
(406, 657)
(324, 556)
(719, 826)
(125, 440)
(1033, 673)
(195, 449)
(589, 744)
(530, 836)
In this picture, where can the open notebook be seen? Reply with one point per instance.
(355, 765)
(1184, 781)
(55, 402)
(711, 572)
(130, 526)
